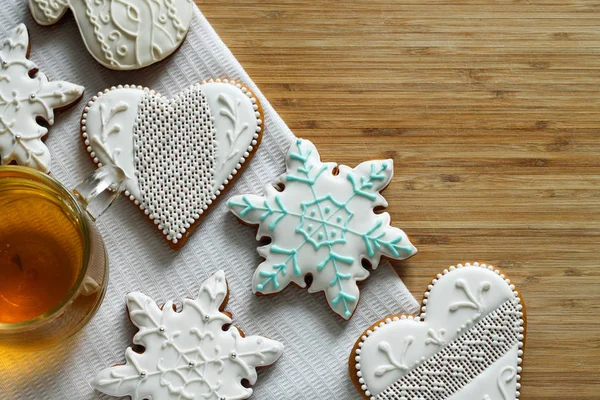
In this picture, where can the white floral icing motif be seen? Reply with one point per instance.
(436, 338)
(187, 354)
(503, 380)
(178, 154)
(230, 110)
(453, 355)
(123, 34)
(473, 302)
(24, 97)
(385, 348)
(322, 224)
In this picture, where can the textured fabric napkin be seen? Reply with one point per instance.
(317, 342)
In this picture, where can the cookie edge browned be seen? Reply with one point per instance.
(322, 292)
(189, 232)
(352, 359)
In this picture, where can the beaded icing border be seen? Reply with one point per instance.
(247, 153)
(421, 318)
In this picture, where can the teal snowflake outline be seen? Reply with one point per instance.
(304, 167)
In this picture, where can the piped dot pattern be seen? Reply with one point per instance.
(462, 360)
(175, 150)
(477, 346)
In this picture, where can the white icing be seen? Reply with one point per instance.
(108, 120)
(459, 306)
(187, 354)
(123, 34)
(178, 154)
(394, 364)
(323, 225)
(462, 360)
(174, 159)
(23, 99)
(235, 121)
(497, 382)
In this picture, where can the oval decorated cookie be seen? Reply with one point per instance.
(467, 343)
(123, 34)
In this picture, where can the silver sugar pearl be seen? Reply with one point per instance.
(206, 317)
(233, 355)
(143, 374)
(191, 364)
(32, 96)
(162, 329)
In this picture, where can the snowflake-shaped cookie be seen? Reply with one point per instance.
(188, 354)
(25, 96)
(322, 224)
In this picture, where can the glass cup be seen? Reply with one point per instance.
(53, 263)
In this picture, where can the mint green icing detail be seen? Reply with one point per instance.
(358, 189)
(309, 181)
(268, 210)
(248, 206)
(378, 175)
(375, 242)
(344, 297)
(325, 225)
(282, 210)
(334, 257)
(375, 175)
(271, 277)
(302, 157)
(341, 210)
(293, 256)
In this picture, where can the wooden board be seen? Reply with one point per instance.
(491, 112)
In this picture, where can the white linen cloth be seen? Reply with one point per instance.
(317, 342)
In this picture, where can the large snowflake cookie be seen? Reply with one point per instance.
(26, 95)
(322, 224)
(123, 34)
(178, 154)
(467, 344)
(192, 354)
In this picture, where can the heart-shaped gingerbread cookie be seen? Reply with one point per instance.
(178, 154)
(467, 344)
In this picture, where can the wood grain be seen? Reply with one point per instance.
(491, 112)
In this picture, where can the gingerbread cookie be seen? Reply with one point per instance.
(123, 34)
(26, 95)
(192, 354)
(466, 344)
(178, 154)
(322, 224)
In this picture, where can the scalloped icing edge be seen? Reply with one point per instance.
(355, 355)
(246, 156)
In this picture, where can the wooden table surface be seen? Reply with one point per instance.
(491, 112)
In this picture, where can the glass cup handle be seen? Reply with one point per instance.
(100, 189)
